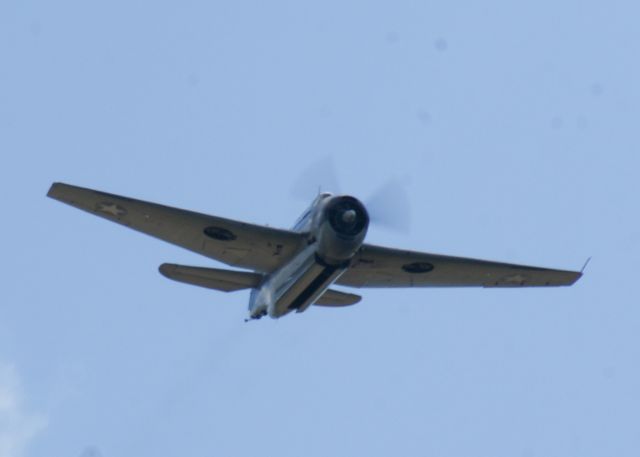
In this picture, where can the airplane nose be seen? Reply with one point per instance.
(349, 216)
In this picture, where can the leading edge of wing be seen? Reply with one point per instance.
(378, 266)
(232, 242)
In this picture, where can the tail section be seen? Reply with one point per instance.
(334, 298)
(212, 278)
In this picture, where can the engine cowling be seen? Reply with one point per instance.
(341, 230)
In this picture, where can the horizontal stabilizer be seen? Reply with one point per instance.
(332, 297)
(211, 278)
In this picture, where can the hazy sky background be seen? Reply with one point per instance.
(516, 128)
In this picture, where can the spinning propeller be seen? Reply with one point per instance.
(388, 206)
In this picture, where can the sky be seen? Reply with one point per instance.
(513, 126)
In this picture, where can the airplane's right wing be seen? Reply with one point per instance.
(233, 242)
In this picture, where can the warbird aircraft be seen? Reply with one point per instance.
(291, 270)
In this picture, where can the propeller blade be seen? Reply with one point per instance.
(389, 206)
(320, 176)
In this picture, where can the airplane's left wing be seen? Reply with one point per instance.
(377, 266)
(232, 242)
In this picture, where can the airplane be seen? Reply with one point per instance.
(290, 270)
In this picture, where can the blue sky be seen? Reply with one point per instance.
(515, 126)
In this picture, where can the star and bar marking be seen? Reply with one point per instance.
(515, 279)
(111, 208)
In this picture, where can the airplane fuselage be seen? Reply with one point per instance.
(295, 286)
(335, 227)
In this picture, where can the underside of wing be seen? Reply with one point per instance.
(211, 278)
(336, 298)
(376, 266)
(232, 242)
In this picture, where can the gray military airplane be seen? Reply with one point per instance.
(294, 269)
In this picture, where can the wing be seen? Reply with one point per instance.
(232, 242)
(376, 266)
(211, 278)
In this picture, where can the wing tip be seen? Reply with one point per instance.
(576, 275)
(564, 278)
(53, 189)
(57, 190)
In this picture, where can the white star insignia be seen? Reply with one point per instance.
(515, 279)
(111, 208)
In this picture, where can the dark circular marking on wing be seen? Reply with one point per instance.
(219, 233)
(417, 267)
